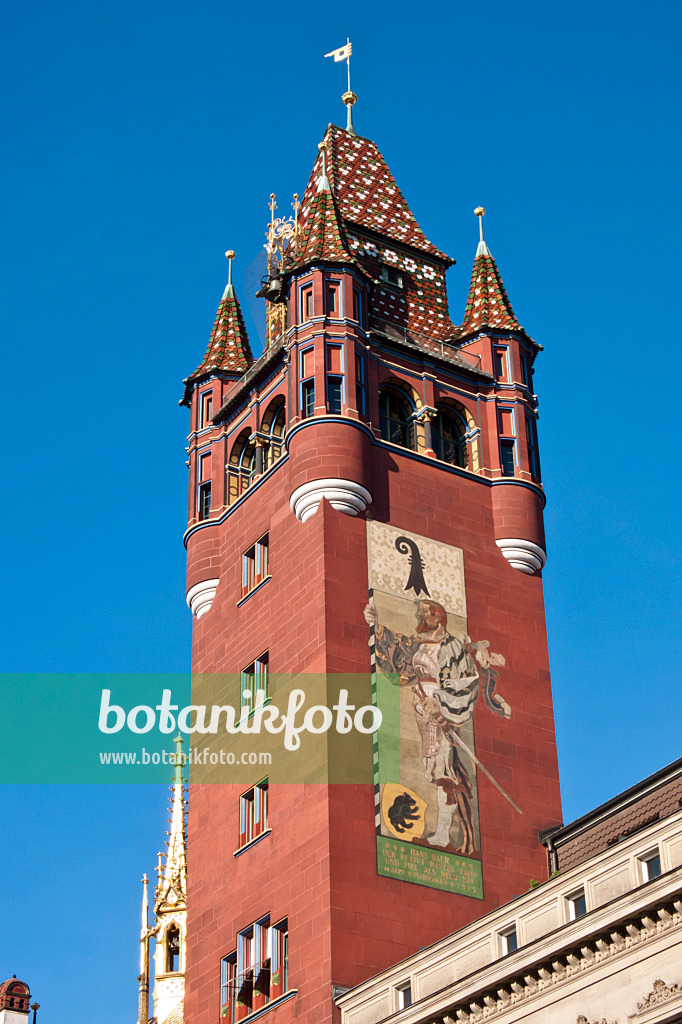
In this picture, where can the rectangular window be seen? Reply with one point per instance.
(204, 490)
(507, 458)
(391, 276)
(308, 382)
(404, 993)
(357, 305)
(255, 565)
(306, 303)
(531, 441)
(509, 941)
(577, 906)
(525, 370)
(651, 865)
(332, 298)
(500, 358)
(334, 395)
(206, 410)
(255, 678)
(308, 398)
(360, 387)
(257, 972)
(253, 813)
(228, 994)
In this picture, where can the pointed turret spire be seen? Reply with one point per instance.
(174, 878)
(322, 237)
(228, 348)
(143, 977)
(488, 304)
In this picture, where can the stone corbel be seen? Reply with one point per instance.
(200, 597)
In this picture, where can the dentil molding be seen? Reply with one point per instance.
(345, 496)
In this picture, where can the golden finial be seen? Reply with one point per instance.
(349, 98)
(480, 213)
(229, 256)
(297, 206)
(273, 206)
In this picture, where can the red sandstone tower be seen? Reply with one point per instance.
(365, 499)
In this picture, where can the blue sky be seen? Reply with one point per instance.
(142, 140)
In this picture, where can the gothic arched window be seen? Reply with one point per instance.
(395, 418)
(172, 949)
(241, 467)
(448, 438)
(274, 425)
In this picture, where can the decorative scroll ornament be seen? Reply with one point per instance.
(281, 236)
(660, 993)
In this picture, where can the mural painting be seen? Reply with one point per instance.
(427, 677)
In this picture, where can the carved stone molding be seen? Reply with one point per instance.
(569, 964)
(660, 993)
(200, 597)
(581, 1019)
(345, 496)
(523, 555)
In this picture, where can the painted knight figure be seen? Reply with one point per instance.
(427, 675)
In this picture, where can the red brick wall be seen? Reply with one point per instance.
(318, 866)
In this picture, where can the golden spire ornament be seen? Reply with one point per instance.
(482, 249)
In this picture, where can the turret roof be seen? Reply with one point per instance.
(366, 191)
(321, 236)
(488, 304)
(228, 348)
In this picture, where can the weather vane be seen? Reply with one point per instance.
(349, 98)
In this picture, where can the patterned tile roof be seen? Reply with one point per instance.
(488, 304)
(375, 229)
(322, 236)
(366, 191)
(228, 348)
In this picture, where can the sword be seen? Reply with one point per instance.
(452, 736)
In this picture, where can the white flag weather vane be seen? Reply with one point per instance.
(343, 53)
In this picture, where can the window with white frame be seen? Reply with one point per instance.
(650, 865)
(253, 813)
(509, 941)
(404, 994)
(577, 906)
(256, 972)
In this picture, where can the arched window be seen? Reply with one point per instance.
(241, 467)
(448, 438)
(172, 949)
(395, 418)
(274, 425)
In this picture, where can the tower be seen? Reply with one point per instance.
(365, 506)
(169, 927)
(15, 997)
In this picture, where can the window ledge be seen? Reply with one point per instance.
(269, 1006)
(254, 591)
(253, 842)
